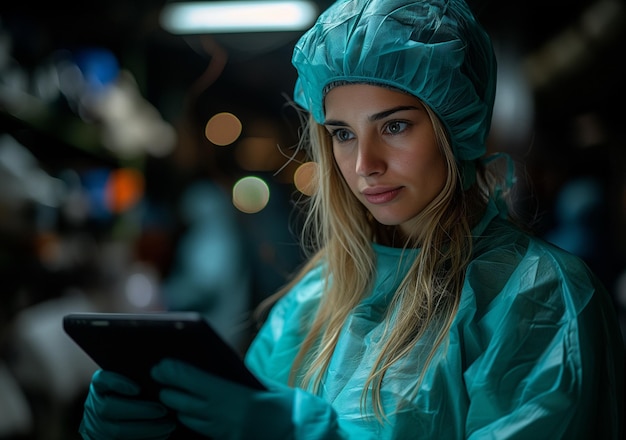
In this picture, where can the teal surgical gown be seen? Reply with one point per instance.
(534, 352)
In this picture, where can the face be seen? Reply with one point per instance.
(385, 147)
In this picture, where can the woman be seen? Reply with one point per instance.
(423, 311)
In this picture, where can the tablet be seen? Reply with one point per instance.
(131, 343)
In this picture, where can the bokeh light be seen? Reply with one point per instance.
(140, 290)
(223, 129)
(305, 178)
(251, 194)
(124, 188)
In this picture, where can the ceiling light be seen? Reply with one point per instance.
(237, 16)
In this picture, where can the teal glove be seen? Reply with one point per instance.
(221, 409)
(111, 412)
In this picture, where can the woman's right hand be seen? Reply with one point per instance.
(113, 412)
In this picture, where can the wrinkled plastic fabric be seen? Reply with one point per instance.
(534, 352)
(434, 50)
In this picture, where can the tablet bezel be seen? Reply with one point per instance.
(131, 343)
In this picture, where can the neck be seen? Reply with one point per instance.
(390, 236)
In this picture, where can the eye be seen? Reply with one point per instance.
(396, 127)
(342, 135)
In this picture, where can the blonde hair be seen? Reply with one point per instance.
(338, 232)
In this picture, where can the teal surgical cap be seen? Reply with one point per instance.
(433, 49)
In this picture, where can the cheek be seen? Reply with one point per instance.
(427, 171)
(437, 172)
(431, 161)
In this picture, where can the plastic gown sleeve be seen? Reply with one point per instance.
(312, 417)
(545, 358)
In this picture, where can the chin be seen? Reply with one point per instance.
(405, 222)
(387, 220)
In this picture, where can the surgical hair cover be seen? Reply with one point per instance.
(434, 50)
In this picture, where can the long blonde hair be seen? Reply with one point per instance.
(338, 232)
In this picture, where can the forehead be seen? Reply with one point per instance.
(365, 98)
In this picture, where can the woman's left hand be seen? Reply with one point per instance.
(222, 409)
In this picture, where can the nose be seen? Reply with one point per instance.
(370, 158)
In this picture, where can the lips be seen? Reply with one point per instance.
(378, 196)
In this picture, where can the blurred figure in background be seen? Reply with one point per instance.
(210, 270)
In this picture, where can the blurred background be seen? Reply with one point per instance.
(146, 167)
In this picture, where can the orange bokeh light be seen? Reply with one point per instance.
(124, 189)
(223, 129)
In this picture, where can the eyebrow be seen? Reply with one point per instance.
(375, 116)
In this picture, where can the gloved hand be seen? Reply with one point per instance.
(222, 409)
(111, 412)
